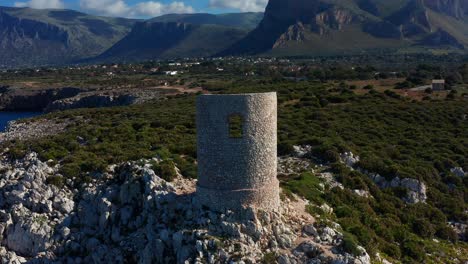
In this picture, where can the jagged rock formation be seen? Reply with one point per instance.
(295, 33)
(129, 214)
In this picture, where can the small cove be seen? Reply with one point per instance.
(6, 117)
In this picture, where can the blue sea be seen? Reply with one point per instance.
(5, 117)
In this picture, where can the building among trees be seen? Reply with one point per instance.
(438, 85)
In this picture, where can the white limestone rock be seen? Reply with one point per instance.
(30, 234)
(349, 159)
(458, 171)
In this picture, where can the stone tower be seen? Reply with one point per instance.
(237, 155)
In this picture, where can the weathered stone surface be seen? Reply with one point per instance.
(30, 234)
(237, 172)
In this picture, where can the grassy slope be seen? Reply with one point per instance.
(205, 40)
(455, 27)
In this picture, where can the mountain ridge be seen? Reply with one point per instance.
(322, 23)
(31, 37)
(181, 35)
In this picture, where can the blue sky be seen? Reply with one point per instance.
(143, 8)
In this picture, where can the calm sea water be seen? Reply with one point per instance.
(5, 117)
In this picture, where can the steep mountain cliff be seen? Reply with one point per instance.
(30, 37)
(300, 27)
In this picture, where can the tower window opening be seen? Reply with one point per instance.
(236, 126)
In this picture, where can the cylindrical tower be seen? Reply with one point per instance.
(237, 151)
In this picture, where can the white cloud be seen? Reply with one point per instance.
(143, 9)
(41, 4)
(242, 5)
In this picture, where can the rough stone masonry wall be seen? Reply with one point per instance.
(237, 172)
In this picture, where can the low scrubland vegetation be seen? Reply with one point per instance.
(393, 135)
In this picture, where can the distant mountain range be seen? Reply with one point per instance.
(288, 27)
(36, 37)
(177, 36)
(312, 27)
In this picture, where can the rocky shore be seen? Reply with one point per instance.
(33, 129)
(58, 99)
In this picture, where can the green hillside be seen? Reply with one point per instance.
(241, 20)
(178, 36)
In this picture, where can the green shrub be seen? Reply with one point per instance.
(392, 250)
(70, 170)
(57, 181)
(423, 228)
(447, 233)
(269, 258)
(350, 244)
(166, 170)
(414, 250)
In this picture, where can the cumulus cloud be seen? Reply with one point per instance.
(242, 5)
(143, 9)
(41, 4)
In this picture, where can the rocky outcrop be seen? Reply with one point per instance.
(416, 190)
(30, 208)
(334, 18)
(349, 159)
(29, 99)
(461, 229)
(57, 99)
(295, 33)
(458, 171)
(91, 101)
(129, 214)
